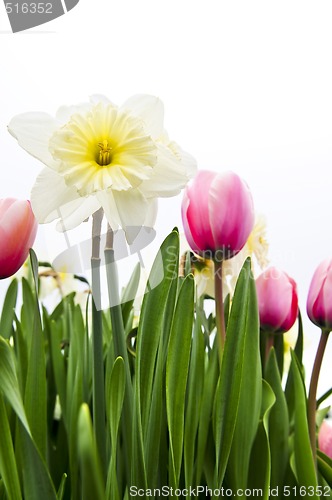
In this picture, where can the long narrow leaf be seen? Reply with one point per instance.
(8, 310)
(242, 324)
(303, 460)
(177, 372)
(8, 468)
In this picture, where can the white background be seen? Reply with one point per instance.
(247, 86)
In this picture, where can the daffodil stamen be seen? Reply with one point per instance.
(104, 153)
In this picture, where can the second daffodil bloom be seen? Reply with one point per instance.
(101, 155)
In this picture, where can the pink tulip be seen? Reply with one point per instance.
(277, 300)
(325, 438)
(217, 214)
(319, 302)
(18, 228)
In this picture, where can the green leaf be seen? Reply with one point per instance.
(9, 382)
(289, 390)
(325, 467)
(156, 313)
(250, 395)
(92, 480)
(35, 398)
(279, 424)
(21, 350)
(8, 468)
(8, 310)
(28, 310)
(324, 397)
(195, 393)
(303, 460)
(205, 416)
(242, 327)
(34, 267)
(114, 402)
(260, 464)
(129, 293)
(62, 486)
(59, 367)
(155, 445)
(152, 318)
(37, 481)
(177, 367)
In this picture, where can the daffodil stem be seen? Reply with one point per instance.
(119, 342)
(98, 390)
(312, 405)
(218, 295)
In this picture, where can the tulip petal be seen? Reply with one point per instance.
(319, 296)
(325, 438)
(33, 132)
(18, 229)
(231, 225)
(277, 300)
(196, 214)
(150, 109)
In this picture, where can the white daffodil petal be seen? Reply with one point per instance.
(106, 200)
(150, 109)
(170, 175)
(49, 194)
(151, 214)
(33, 132)
(64, 113)
(95, 98)
(75, 212)
(132, 208)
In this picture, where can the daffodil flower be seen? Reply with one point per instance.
(101, 155)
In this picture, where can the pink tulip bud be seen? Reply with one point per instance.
(319, 302)
(325, 438)
(277, 300)
(18, 228)
(217, 214)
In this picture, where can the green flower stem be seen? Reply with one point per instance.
(220, 315)
(312, 405)
(269, 343)
(120, 347)
(98, 391)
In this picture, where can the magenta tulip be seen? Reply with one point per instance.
(319, 302)
(217, 214)
(18, 228)
(325, 438)
(277, 300)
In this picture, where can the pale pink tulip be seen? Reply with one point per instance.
(18, 228)
(325, 438)
(277, 300)
(217, 214)
(319, 302)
